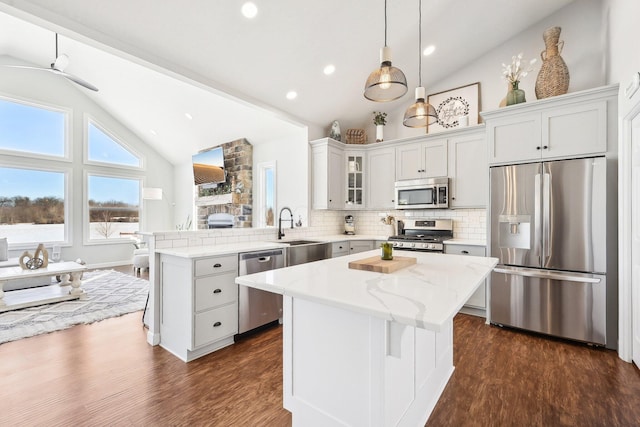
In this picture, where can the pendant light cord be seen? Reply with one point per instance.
(419, 43)
(385, 23)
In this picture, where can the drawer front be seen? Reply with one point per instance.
(464, 250)
(216, 324)
(339, 249)
(216, 265)
(213, 291)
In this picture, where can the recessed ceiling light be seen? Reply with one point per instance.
(329, 69)
(153, 132)
(188, 116)
(429, 50)
(249, 10)
(292, 94)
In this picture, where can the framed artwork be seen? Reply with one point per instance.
(454, 103)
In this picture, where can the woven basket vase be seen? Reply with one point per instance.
(553, 78)
(356, 136)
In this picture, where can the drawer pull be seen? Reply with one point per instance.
(215, 325)
(217, 291)
(217, 265)
(465, 252)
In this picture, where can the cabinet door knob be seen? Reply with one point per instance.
(215, 325)
(217, 265)
(546, 147)
(217, 291)
(465, 252)
(538, 147)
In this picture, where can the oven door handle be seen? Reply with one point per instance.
(546, 275)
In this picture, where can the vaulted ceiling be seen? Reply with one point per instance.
(154, 61)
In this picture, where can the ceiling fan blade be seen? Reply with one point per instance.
(75, 79)
(28, 67)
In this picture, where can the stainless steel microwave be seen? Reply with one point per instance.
(424, 193)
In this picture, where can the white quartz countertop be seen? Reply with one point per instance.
(424, 295)
(230, 248)
(469, 242)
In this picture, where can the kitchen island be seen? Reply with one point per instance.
(369, 349)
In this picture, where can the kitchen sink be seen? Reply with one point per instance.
(303, 251)
(299, 242)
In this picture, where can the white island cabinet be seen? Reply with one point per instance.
(199, 304)
(369, 349)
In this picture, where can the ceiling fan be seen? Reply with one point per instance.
(58, 66)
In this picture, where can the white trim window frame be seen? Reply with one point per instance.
(263, 167)
(90, 120)
(39, 166)
(108, 240)
(67, 155)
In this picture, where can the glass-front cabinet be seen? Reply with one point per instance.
(355, 180)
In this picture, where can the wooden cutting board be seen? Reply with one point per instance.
(378, 265)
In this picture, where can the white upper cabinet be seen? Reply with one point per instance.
(427, 159)
(468, 170)
(355, 183)
(570, 125)
(328, 178)
(381, 178)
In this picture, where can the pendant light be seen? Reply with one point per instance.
(420, 114)
(387, 82)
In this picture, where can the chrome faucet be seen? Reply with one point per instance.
(280, 233)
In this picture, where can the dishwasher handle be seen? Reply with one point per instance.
(261, 255)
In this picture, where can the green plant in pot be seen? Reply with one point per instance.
(513, 73)
(379, 119)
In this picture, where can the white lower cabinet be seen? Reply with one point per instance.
(357, 246)
(199, 308)
(339, 249)
(478, 301)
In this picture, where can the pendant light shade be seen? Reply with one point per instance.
(387, 82)
(421, 113)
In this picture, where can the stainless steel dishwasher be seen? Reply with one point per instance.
(256, 307)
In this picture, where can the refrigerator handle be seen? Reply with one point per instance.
(546, 223)
(537, 219)
(547, 275)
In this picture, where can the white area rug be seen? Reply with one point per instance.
(109, 294)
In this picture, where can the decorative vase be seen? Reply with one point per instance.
(553, 78)
(379, 133)
(515, 95)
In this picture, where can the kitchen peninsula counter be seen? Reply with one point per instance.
(366, 348)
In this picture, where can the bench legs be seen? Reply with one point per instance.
(2, 303)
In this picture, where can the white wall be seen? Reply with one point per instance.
(623, 35)
(292, 177)
(584, 51)
(46, 88)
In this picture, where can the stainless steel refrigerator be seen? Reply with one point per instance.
(548, 230)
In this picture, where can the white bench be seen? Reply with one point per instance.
(63, 291)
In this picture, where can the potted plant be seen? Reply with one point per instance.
(379, 119)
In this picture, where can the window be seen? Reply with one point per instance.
(32, 206)
(113, 207)
(104, 148)
(267, 194)
(32, 129)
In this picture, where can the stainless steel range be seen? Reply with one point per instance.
(421, 234)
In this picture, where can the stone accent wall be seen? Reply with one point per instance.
(238, 161)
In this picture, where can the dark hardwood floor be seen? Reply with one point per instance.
(106, 374)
